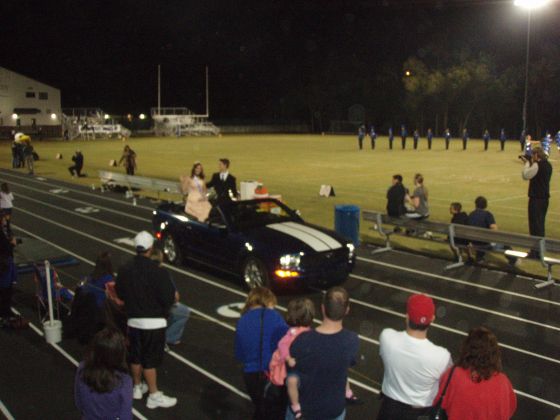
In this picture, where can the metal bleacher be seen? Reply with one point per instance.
(89, 124)
(134, 182)
(181, 122)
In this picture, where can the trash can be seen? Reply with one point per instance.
(347, 222)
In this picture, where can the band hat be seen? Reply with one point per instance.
(143, 241)
(420, 309)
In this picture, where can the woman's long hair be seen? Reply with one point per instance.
(196, 164)
(103, 265)
(259, 296)
(105, 361)
(480, 354)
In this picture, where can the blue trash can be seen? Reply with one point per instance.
(347, 222)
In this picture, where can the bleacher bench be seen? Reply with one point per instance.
(131, 182)
(517, 243)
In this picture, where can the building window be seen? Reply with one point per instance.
(43, 95)
(29, 94)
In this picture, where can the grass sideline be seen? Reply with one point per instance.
(296, 165)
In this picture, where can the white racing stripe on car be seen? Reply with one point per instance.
(306, 238)
(329, 240)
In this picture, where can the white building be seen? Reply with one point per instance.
(28, 106)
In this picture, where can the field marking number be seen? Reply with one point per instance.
(58, 191)
(125, 241)
(232, 310)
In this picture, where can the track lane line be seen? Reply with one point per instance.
(454, 302)
(463, 282)
(357, 383)
(4, 410)
(365, 304)
(69, 357)
(7, 172)
(62, 197)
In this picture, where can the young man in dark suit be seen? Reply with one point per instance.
(223, 182)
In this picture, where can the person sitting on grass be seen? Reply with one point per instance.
(103, 387)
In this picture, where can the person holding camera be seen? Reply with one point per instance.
(537, 171)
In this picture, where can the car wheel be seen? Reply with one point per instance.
(171, 250)
(254, 273)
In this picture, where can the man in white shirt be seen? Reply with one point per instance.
(413, 364)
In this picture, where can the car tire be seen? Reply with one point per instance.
(171, 250)
(254, 273)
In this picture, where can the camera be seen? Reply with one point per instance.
(525, 158)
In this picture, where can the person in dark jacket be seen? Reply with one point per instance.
(8, 271)
(395, 198)
(430, 137)
(538, 171)
(78, 160)
(148, 293)
(223, 182)
(486, 138)
(458, 217)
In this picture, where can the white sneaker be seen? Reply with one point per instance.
(157, 399)
(139, 390)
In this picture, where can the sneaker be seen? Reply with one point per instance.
(139, 391)
(158, 399)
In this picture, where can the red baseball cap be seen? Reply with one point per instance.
(420, 309)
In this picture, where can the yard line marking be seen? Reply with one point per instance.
(231, 328)
(78, 201)
(455, 302)
(10, 173)
(70, 358)
(4, 410)
(463, 282)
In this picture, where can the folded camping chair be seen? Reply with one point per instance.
(58, 292)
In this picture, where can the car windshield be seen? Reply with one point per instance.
(249, 214)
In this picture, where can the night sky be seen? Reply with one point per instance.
(261, 55)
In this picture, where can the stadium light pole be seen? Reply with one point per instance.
(528, 5)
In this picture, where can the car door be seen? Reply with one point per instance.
(220, 245)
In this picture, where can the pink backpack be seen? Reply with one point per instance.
(277, 368)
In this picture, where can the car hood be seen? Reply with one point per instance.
(292, 237)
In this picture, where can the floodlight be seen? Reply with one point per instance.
(107, 116)
(407, 73)
(142, 116)
(53, 116)
(531, 4)
(14, 116)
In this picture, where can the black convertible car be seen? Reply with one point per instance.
(262, 241)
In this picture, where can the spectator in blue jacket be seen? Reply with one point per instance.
(503, 139)
(258, 331)
(486, 138)
(430, 137)
(373, 136)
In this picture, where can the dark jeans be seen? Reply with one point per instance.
(415, 143)
(6, 302)
(446, 144)
(485, 144)
(403, 142)
(264, 410)
(502, 144)
(372, 144)
(360, 142)
(464, 144)
(76, 169)
(391, 143)
(537, 214)
(395, 410)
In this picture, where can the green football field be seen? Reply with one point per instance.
(296, 165)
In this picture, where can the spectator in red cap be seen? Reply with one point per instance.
(413, 364)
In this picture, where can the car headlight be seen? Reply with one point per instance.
(351, 249)
(290, 261)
